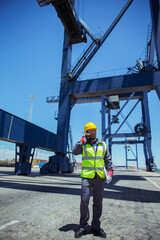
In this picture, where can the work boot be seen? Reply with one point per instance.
(80, 232)
(99, 233)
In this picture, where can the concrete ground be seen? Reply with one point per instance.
(46, 207)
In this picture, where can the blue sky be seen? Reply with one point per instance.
(31, 55)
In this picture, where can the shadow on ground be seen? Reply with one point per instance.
(118, 189)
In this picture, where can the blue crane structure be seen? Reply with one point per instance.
(134, 85)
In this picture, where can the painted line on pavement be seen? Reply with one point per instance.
(8, 224)
(150, 180)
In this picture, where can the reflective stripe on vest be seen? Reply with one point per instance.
(93, 162)
(92, 169)
(92, 158)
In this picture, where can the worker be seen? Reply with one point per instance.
(95, 157)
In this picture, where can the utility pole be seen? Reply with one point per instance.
(31, 107)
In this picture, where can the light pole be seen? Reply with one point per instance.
(31, 107)
(4, 155)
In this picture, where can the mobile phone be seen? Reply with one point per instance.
(87, 136)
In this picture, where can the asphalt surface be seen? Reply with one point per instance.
(46, 207)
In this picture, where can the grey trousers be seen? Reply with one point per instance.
(97, 186)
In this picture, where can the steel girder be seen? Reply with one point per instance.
(147, 137)
(23, 159)
(16, 130)
(65, 101)
(107, 133)
(155, 14)
(95, 46)
(133, 137)
(27, 137)
(124, 84)
(60, 162)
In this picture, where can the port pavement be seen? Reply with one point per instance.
(46, 207)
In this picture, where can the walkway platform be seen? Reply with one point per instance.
(46, 207)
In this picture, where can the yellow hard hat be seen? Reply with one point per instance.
(89, 126)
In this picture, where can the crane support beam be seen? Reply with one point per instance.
(66, 13)
(116, 85)
(94, 49)
(122, 96)
(155, 14)
(123, 135)
(147, 139)
(128, 142)
(16, 130)
(152, 49)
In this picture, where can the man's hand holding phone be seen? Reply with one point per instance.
(84, 137)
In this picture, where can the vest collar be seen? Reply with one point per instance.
(89, 141)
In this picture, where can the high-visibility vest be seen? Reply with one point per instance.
(92, 162)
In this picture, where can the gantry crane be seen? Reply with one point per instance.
(28, 136)
(142, 129)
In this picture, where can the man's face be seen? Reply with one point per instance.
(92, 133)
